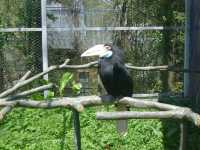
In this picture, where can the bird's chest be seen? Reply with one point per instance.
(108, 77)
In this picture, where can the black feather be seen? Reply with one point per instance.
(114, 75)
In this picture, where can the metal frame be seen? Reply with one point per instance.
(45, 29)
(187, 46)
(44, 36)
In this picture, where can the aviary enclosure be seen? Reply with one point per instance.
(40, 47)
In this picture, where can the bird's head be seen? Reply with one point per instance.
(101, 50)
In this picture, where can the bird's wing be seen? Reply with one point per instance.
(124, 86)
(123, 78)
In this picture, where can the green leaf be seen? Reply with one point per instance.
(76, 87)
(50, 95)
(65, 79)
(37, 96)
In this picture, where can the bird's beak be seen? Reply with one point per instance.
(97, 50)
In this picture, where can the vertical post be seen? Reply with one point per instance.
(191, 61)
(183, 136)
(187, 47)
(192, 51)
(78, 17)
(44, 37)
(77, 129)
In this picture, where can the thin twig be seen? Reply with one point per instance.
(27, 74)
(84, 66)
(4, 111)
(25, 82)
(173, 68)
(29, 92)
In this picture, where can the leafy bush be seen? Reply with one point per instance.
(51, 130)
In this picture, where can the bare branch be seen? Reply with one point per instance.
(4, 111)
(88, 65)
(147, 68)
(25, 76)
(179, 114)
(84, 66)
(173, 68)
(96, 101)
(37, 76)
(47, 104)
(6, 93)
(78, 103)
(147, 104)
(145, 96)
(29, 92)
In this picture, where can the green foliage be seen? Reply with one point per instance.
(65, 79)
(76, 87)
(51, 130)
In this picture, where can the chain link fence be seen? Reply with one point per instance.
(74, 26)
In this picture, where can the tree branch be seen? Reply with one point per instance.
(37, 76)
(84, 66)
(29, 92)
(4, 111)
(172, 68)
(78, 103)
(180, 114)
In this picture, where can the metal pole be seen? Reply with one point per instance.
(44, 40)
(187, 46)
(77, 130)
(44, 37)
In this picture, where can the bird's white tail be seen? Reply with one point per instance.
(122, 125)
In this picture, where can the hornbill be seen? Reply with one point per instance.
(114, 75)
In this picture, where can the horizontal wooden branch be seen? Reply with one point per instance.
(173, 68)
(179, 114)
(86, 101)
(78, 103)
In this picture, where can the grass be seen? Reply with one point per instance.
(31, 129)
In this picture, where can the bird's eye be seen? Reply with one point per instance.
(108, 47)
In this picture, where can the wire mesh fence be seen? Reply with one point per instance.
(74, 26)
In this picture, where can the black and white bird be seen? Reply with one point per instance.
(114, 75)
